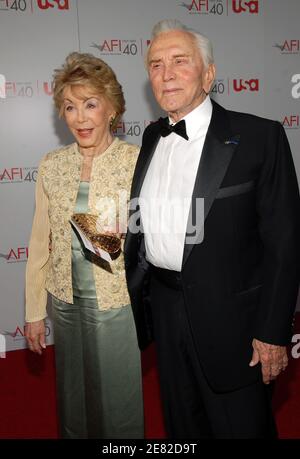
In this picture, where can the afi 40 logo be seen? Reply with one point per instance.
(128, 128)
(28, 6)
(27, 89)
(18, 174)
(291, 122)
(17, 255)
(116, 46)
(205, 7)
(289, 46)
(19, 332)
(221, 6)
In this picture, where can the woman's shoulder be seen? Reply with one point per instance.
(57, 155)
(127, 148)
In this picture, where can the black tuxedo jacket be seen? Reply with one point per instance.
(241, 281)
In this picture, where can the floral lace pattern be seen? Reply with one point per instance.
(60, 172)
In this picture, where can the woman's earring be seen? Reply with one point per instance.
(111, 121)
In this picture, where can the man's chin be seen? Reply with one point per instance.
(170, 108)
(169, 105)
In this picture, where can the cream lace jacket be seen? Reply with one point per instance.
(56, 193)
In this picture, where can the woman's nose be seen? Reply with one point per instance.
(81, 115)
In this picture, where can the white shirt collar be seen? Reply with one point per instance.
(197, 121)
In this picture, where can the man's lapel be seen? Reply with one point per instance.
(144, 160)
(218, 149)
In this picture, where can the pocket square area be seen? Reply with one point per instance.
(235, 190)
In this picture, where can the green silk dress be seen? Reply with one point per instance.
(98, 367)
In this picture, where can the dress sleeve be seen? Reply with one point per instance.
(38, 256)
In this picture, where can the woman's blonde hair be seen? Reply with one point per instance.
(88, 70)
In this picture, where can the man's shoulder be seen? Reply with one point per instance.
(249, 119)
(152, 127)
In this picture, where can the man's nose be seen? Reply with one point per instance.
(168, 73)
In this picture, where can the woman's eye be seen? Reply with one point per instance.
(90, 105)
(68, 108)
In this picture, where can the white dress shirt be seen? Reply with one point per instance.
(166, 193)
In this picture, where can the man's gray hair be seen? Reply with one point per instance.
(203, 43)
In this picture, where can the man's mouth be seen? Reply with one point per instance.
(171, 91)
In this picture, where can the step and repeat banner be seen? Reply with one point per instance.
(257, 54)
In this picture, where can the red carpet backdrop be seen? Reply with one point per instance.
(257, 50)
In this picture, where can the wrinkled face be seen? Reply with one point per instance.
(177, 74)
(87, 115)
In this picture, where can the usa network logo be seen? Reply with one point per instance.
(11, 175)
(223, 86)
(220, 7)
(289, 46)
(58, 4)
(119, 47)
(15, 255)
(291, 122)
(244, 6)
(242, 85)
(23, 6)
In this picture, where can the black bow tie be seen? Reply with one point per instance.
(166, 128)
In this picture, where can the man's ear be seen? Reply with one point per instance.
(209, 77)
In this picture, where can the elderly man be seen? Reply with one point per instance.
(220, 293)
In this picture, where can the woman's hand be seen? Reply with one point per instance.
(35, 335)
(116, 230)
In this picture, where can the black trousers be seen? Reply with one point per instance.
(191, 408)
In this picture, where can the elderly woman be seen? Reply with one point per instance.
(97, 358)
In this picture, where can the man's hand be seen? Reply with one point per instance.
(35, 335)
(273, 359)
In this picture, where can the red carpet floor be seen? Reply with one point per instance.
(28, 399)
